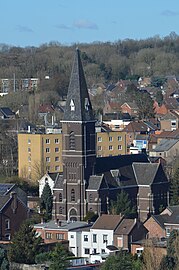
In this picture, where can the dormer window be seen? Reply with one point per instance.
(72, 105)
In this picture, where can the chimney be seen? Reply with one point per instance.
(59, 223)
(13, 195)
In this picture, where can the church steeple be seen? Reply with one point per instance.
(78, 104)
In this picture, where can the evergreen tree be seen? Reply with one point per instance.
(25, 245)
(174, 190)
(59, 258)
(4, 263)
(46, 202)
(122, 205)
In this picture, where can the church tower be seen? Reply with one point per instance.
(79, 144)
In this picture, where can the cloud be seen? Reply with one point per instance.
(170, 13)
(22, 28)
(85, 24)
(62, 26)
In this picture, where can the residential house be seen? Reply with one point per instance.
(130, 108)
(135, 128)
(128, 232)
(57, 231)
(169, 121)
(160, 226)
(168, 149)
(13, 212)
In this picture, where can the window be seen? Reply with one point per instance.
(87, 251)
(94, 250)
(47, 159)
(72, 195)
(56, 159)
(56, 140)
(86, 238)
(72, 236)
(57, 168)
(99, 139)
(7, 224)
(60, 210)
(47, 141)
(110, 139)
(59, 236)
(48, 235)
(72, 140)
(7, 237)
(102, 250)
(60, 197)
(29, 150)
(29, 141)
(94, 238)
(110, 147)
(56, 149)
(47, 168)
(119, 147)
(47, 150)
(72, 105)
(167, 232)
(119, 138)
(29, 159)
(99, 147)
(105, 238)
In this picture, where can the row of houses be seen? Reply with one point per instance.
(111, 233)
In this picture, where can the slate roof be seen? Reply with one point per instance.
(7, 112)
(58, 182)
(78, 95)
(165, 145)
(145, 173)
(107, 222)
(105, 164)
(5, 188)
(95, 182)
(142, 174)
(53, 176)
(3, 200)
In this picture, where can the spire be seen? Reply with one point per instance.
(78, 104)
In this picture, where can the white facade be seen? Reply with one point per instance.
(45, 179)
(74, 239)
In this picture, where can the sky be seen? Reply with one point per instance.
(36, 22)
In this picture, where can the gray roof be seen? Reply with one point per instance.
(95, 182)
(53, 176)
(58, 182)
(165, 145)
(62, 225)
(78, 95)
(3, 200)
(142, 174)
(172, 218)
(5, 188)
(145, 172)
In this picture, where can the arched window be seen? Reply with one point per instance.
(73, 214)
(60, 197)
(72, 140)
(73, 195)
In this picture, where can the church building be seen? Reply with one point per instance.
(88, 183)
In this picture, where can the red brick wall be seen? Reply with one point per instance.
(155, 230)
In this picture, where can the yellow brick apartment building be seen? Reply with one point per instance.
(41, 153)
